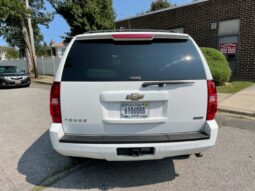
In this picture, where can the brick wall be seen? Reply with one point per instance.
(196, 20)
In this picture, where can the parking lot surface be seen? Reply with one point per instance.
(28, 161)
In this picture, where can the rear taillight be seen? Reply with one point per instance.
(55, 103)
(212, 100)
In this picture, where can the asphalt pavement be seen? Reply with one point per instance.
(28, 161)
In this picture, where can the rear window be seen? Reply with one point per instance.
(108, 60)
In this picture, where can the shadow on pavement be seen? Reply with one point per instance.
(105, 175)
(40, 162)
(12, 87)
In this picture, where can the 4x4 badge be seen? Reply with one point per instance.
(135, 96)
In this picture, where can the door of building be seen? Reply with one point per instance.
(229, 46)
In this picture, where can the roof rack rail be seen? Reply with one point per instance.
(127, 30)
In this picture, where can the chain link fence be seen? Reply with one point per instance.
(45, 65)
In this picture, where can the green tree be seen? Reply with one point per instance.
(14, 26)
(218, 65)
(159, 4)
(85, 15)
(42, 50)
(11, 53)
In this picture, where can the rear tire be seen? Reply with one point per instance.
(182, 157)
(199, 155)
(27, 85)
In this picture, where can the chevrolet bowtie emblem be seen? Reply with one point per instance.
(135, 96)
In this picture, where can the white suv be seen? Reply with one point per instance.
(133, 96)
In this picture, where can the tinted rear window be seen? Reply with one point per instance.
(107, 60)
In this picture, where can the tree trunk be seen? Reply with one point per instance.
(29, 61)
(28, 48)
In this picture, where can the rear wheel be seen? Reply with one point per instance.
(27, 85)
(181, 157)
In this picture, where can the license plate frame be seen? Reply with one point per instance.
(137, 110)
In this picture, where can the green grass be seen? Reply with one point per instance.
(38, 188)
(234, 87)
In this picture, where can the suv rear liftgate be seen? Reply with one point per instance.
(133, 94)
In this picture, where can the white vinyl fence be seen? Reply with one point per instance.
(45, 65)
(48, 65)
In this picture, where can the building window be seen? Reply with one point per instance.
(177, 30)
(229, 27)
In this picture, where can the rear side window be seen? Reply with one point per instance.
(108, 60)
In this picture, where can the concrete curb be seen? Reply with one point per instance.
(236, 112)
(41, 82)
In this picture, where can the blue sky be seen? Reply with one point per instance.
(123, 9)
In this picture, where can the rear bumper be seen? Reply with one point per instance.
(125, 139)
(108, 151)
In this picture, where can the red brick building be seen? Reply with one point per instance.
(228, 25)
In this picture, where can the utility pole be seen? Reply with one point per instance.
(31, 35)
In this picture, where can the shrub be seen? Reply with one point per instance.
(218, 65)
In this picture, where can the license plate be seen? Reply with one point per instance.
(134, 110)
(17, 81)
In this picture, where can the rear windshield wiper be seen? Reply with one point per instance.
(162, 83)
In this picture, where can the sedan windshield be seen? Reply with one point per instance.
(10, 69)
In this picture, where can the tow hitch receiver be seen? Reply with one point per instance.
(136, 152)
